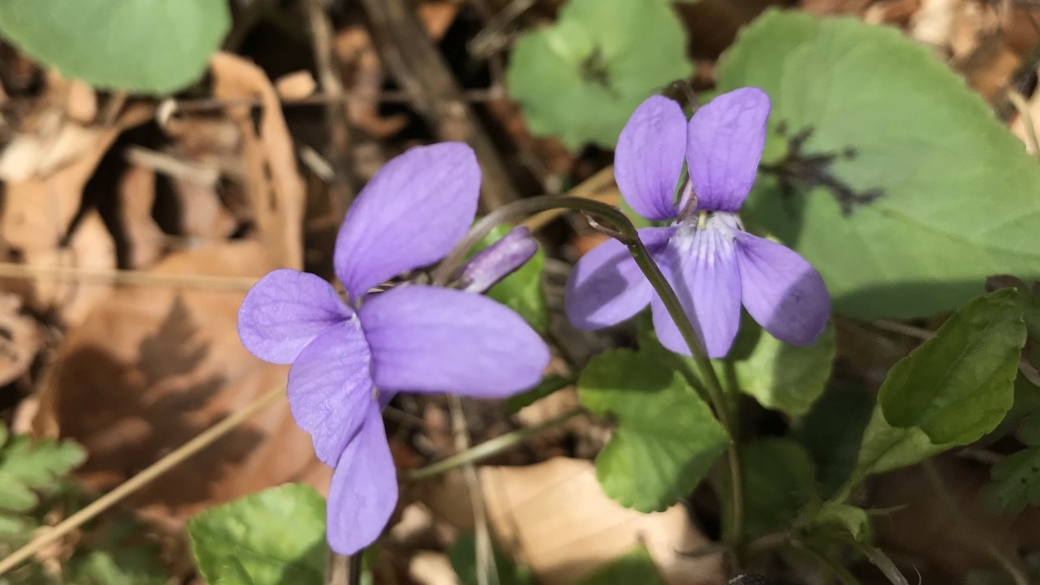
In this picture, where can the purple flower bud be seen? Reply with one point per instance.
(497, 261)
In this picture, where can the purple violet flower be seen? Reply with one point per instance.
(710, 261)
(348, 358)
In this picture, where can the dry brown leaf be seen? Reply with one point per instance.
(437, 17)
(431, 568)
(19, 339)
(555, 518)
(150, 368)
(275, 187)
(136, 192)
(82, 103)
(944, 539)
(38, 210)
(363, 73)
(296, 85)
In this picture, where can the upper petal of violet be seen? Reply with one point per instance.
(427, 339)
(285, 311)
(606, 286)
(649, 157)
(781, 290)
(363, 493)
(410, 214)
(724, 144)
(330, 388)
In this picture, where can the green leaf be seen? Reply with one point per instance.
(1016, 482)
(29, 468)
(148, 46)
(522, 290)
(634, 568)
(463, 556)
(832, 432)
(666, 438)
(886, 448)
(277, 535)
(580, 79)
(783, 377)
(950, 391)
(842, 517)
(956, 206)
(101, 568)
(958, 385)
(778, 483)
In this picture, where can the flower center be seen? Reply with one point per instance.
(707, 234)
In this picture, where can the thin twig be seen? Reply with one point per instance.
(414, 61)
(490, 448)
(487, 572)
(337, 118)
(321, 99)
(149, 474)
(125, 277)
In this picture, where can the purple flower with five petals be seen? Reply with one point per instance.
(711, 262)
(349, 357)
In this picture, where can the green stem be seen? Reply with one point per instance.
(489, 448)
(627, 234)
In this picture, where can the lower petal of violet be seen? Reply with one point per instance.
(781, 290)
(606, 286)
(285, 311)
(363, 493)
(702, 268)
(330, 388)
(427, 339)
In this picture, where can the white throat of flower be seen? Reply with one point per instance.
(708, 235)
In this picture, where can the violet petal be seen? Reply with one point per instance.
(502, 258)
(410, 214)
(363, 493)
(725, 141)
(427, 339)
(606, 286)
(781, 290)
(702, 268)
(285, 311)
(648, 159)
(330, 387)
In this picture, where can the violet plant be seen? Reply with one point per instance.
(711, 262)
(350, 356)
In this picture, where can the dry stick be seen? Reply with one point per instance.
(125, 277)
(92, 510)
(485, 560)
(321, 99)
(407, 51)
(340, 190)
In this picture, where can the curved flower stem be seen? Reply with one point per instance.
(626, 233)
(489, 448)
(175, 457)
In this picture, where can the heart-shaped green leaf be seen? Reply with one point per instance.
(146, 46)
(580, 79)
(666, 438)
(272, 537)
